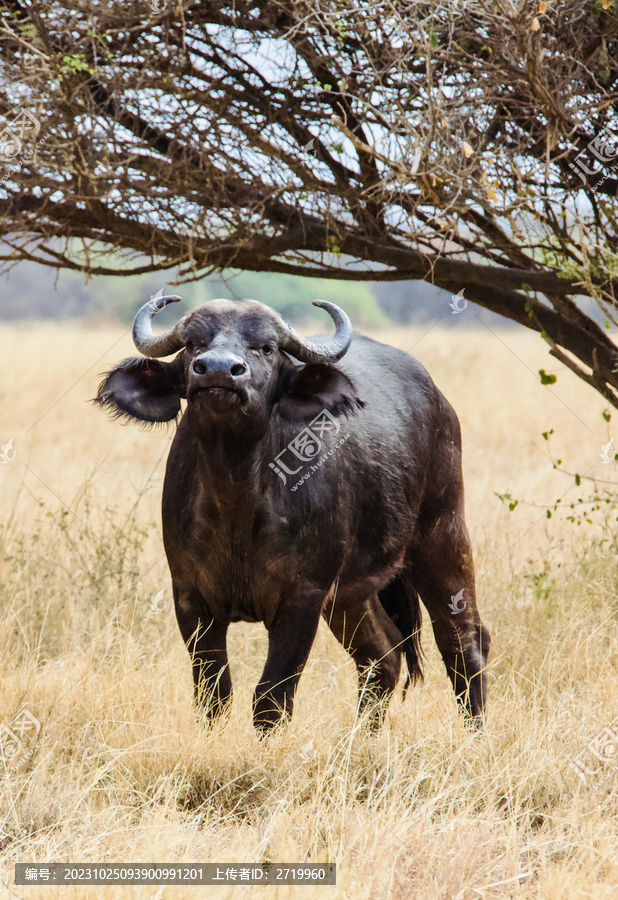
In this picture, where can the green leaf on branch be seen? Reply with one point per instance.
(27, 28)
(503, 497)
(75, 63)
(547, 379)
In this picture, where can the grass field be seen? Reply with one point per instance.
(121, 770)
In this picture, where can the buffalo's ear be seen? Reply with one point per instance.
(317, 386)
(144, 389)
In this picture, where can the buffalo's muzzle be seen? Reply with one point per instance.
(217, 371)
(222, 362)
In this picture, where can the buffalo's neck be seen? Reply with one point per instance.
(226, 487)
(225, 527)
(230, 469)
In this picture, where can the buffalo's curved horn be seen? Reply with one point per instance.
(329, 351)
(150, 344)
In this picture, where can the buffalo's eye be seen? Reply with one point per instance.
(190, 346)
(267, 348)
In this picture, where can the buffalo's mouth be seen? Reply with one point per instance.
(217, 392)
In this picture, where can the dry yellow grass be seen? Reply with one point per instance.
(123, 772)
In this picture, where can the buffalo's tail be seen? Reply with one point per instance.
(404, 608)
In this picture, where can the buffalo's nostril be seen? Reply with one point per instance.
(219, 363)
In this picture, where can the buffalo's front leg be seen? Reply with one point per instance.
(289, 641)
(205, 640)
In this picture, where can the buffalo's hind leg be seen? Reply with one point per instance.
(375, 644)
(442, 571)
(205, 640)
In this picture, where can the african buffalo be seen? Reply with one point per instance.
(299, 486)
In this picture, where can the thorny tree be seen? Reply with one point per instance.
(377, 140)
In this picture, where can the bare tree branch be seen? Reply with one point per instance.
(352, 139)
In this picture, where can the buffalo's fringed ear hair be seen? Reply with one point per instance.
(145, 390)
(307, 391)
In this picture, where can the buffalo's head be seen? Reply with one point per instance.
(232, 366)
